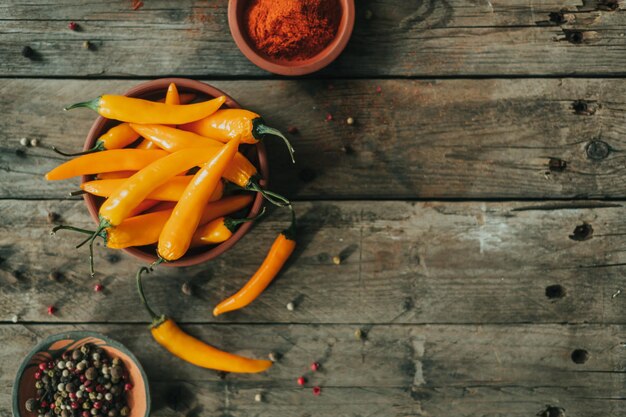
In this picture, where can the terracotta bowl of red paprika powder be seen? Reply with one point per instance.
(154, 90)
(290, 37)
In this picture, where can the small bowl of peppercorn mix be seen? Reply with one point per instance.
(80, 374)
(289, 37)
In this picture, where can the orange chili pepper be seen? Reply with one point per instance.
(219, 230)
(172, 97)
(105, 161)
(145, 229)
(240, 171)
(178, 231)
(136, 110)
(281, 250)
(167, 334)
(228, 124)
(117, 137)
(143, 206)
(138, 187)
(114, 175)
(170, 191)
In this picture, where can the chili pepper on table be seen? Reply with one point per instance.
(145, 229)
(176, 235)
(228, 124)
(219, 230)
(136, 110)
(117, 137)
(281, 250)
(170, 191)
(240, 171)
(167, 334)
(105, 161)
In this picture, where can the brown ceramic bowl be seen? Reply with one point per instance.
(236, 11)
(54, 346)
(154, 90)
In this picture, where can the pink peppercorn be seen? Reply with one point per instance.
(51, 310)
(99, 388)
(53, 406)
(74, 405)
(86, 414)
(301, 381)
(329, 117)
(128, 387)
(38, 375)
(72, 395)
(317, 390)
(98, 287)
(43, 366)
(44, 404)
(89, 389)
(97, 405)
(379, 89)
(315, 366)
(72, 26)
(50, 365)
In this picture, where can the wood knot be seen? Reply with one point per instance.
(552, 411)
(557, 165)
(554, 292)
(597, 150)
(582, 232)
(585, 108)
(578, 37)
(580, 356)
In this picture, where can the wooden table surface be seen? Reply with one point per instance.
(477, 205)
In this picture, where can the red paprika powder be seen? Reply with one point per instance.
(292, 29)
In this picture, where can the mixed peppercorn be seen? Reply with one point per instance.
(84, 382)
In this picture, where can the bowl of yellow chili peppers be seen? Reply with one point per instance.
(173, 171)
(158, 167)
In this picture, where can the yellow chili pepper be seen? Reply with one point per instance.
(170, 191)
(167, 334)
(138, 187)
(228, 124)
(240, 171)
(219, 230)
(136, 110)
(281, 250)
(117, 137)
(145, 229)
(114, 175)
(178, 231)
(106, 161)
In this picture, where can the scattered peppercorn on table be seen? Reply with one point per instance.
(459, 209)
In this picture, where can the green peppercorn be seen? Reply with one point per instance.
(125, 411)
(51, 373)
(38, 385)
(86, 405)
(113, 412)
(65, 413)
(77, 355)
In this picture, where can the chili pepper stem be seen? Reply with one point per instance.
(103, 225)
(156, 319)
(272, 197)
(259, 129)
(98, 147)
(231, 224)
(290, 232)
(72, 228)
(91, 104)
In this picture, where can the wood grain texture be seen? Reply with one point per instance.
(476, 139)
(513, 370)
(401, 38)
(402, 262)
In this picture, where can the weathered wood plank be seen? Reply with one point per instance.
(513, 370)
(402, 263)
(416, 139)
(402, 38)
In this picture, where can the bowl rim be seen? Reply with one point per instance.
(263, 168)
(79, 334)
(316, 63)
